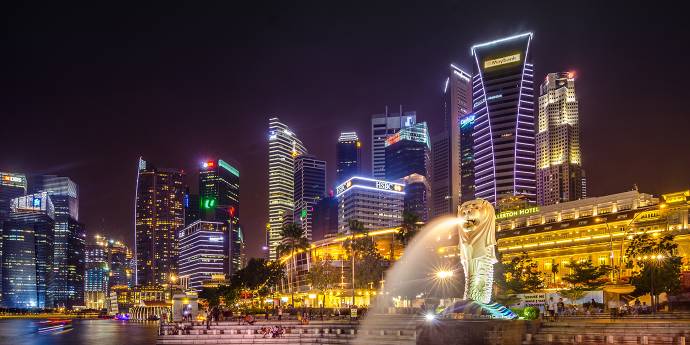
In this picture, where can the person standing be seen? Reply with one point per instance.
(280, 313)
(551, 309)
(560, 308)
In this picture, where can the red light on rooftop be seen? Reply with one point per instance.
(571, 74)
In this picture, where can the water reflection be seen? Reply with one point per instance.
(84, 332)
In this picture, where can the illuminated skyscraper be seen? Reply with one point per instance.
(219, 197)
(407, 152)
(159, 215)
(68, 256)
(310, 187)
(96, 280)
(27, 275)
(192, 207)
(349, 156)
(467, 186)
(283, 147)
(446, 166)
(383, 126)
(560, 177)
(12, 186)
(503, 90)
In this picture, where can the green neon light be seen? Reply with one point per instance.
(229, 167)
(208, 203)
(304, 213)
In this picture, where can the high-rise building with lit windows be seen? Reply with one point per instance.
(283, 148)
(377, 204)
(12, 185)
(159, 213)
(310, 187)
(219, 198)
(27, 260)
(69, 241)
(446, 167)
(560, 176)
(96, 278)
(383, 126)
(503, 96)
(204, 252)
(348, 156)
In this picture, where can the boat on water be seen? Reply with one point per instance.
(53, 325)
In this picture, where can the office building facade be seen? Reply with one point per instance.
(219, 197)
(159, 215)
(96, 278)
(192, 207)
(309, 186)
(416, 199)
(283, 148)
(325, 217)
(467, 187)
(348, 156)
(377, 204)
(27, 260)
(12, 185)
(383, 126)
(407, 152)
(204, 252)
(503, 105)
(560, 177)
(446, 183)
(69, 241)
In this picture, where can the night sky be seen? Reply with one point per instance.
(87, 90)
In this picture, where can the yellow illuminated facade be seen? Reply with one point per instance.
(559, 174)
(333, 249)
(596, 229)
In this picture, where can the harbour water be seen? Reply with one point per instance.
(83, 332)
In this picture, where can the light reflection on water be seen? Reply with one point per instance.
(84, 332)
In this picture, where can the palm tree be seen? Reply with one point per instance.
(356, 228)
(292, 242)
(410, 227)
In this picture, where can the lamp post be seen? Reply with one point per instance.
(653, 260)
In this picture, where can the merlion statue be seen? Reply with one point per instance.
(477, 242)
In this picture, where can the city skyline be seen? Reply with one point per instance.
(609, 139)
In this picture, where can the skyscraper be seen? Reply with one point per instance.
(159, 215)
(407, 158)
(96, 280)
(192, 207)
(349, 156)
(325, 218)
(310, 186)
(219, 197)
(12, 186)
(27, 275)
(560, 176)
(446, 167)
(407, 152)
(504, 119)
(467, 187)
(69, 241)
(283, 147)
(382, 126)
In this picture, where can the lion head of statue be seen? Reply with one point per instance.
(477, 219)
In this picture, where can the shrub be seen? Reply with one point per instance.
(530, 313)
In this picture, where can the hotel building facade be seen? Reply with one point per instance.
(597, 229)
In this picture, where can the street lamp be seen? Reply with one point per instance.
(444, 274)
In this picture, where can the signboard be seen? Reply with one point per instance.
(367, 183)
(502, 60)
(13, 180)
(517, 213)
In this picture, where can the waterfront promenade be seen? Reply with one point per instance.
(663, 329)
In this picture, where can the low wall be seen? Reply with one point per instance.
(475, 332)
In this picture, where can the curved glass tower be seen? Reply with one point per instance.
(503, 104)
